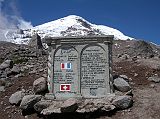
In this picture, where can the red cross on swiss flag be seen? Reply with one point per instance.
(65, 87)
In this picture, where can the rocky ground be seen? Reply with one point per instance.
(138, 63)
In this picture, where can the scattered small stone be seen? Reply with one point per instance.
(8, 107)
(2, 103)
(155, 79)
(44, 75)
(29, 66)
(9, 116)
(152, 85)
(130, 79)
(124, 57)
(26, 117)
(32, 72)
(135, 74)
(18, 75)
(119, 55)
(41, 70)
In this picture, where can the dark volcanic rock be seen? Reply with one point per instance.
(43, 104)
(29, 101)
(123, 102)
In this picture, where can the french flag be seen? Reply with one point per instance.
(65, 65)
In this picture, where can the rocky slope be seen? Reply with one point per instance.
(136, 61)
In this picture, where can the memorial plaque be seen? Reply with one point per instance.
(93, 72)
(80, 67)
(65, 72)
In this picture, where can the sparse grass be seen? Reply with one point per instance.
(19, 60)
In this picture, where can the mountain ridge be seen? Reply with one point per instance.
(71, 25)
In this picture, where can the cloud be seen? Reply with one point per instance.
(24, 24)
(12, 18)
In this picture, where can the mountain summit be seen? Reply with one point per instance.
(68, 26)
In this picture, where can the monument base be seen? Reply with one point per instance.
(51, 96)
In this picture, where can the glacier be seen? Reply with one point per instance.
(71, 25)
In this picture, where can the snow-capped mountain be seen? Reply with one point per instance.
(68, 26)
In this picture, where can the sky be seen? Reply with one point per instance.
(135, 18)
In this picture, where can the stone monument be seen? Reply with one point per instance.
(80, 67)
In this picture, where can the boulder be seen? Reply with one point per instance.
(121, 85)
(155, 79)
(7, 72)
(2, 82)
(69, 105)
(54, 108)
(40, 85)
(16, 97)
(43, 104)
(29, 101)
(2, 89)
(6, 64)
(104, 104)
(123, 102)
(87, 106)
(4, 75)
(92, 105)
(124, 77)
(15, 70)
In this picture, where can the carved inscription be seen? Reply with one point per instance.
(65, 71)
(93, 70)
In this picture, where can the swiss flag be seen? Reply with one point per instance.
(65, 87)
